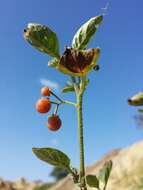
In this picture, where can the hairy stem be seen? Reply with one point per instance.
(81, 141)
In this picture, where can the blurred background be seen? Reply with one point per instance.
(108, 120)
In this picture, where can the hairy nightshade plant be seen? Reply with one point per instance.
(76, 62)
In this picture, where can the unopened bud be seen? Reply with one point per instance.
(136, 100)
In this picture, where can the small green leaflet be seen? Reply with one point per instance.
(68, 88)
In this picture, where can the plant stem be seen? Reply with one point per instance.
(81, 142)
(52, 102)
(56, 109)
(56, 96)
(62, 101)
(70, 103)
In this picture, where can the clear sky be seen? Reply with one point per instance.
(108, 119)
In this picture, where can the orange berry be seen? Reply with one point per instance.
(54, 122)
(45, 91)
(43, 105)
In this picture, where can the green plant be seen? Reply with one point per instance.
(141, 184)
(137, 100)
(44, 186)
(77, 62)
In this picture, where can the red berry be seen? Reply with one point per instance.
(45, 91)
(54, 122)
(43, 105)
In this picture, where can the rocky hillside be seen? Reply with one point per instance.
(127, 173)
(21, 184)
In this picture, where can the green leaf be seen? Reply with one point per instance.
(92, 181)
(136, 100)
(104, 174)
(42, 38)
(53, 157)
(86, 32)
(68, 88)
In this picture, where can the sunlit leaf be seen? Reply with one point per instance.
(86, 32)
(52, 156)
(42, 38)
(104, 174)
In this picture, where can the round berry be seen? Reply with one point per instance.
(54, 122)
(43, 105)
(45, 91)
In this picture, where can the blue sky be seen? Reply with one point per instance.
(108, 119)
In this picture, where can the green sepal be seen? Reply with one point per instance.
(76, 62)
(53, 156)
(92, 181)
(104, 174)
(136, 100)
(86, 32)
(42, 38)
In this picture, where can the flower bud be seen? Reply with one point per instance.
(136, 100)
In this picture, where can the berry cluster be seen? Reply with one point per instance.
(43, 106)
